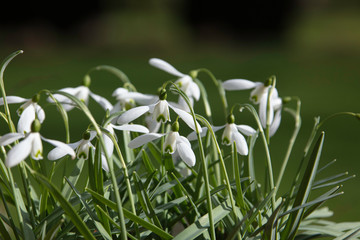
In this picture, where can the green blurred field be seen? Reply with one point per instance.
(324, 72)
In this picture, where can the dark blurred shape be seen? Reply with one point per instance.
(60, 15)
(240, 20)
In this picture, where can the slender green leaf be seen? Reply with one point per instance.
(294, 219)
(202, 225)
(68, 209)
(132, 216)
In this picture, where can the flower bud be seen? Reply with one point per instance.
(230, 119)
(286, 100)
(86, 81)
(35, 126)
(35, 98)
(175, 126)
(163, 94)
(193, 74)
(269, 81)
(86, 135)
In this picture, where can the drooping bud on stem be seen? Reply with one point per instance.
(269, 81)
(86, 135)
(230, 119)
(175, 126)
(86, 81)
(36, 126)
(36, 98)
(163, 94)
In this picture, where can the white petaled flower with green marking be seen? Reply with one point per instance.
(126, 99)
(174, 144)
(82, 93)
(260, 89)
(232, 133)
(185, 82)
(28, 111)
(31, 145)
(260, 96)
(159, 111)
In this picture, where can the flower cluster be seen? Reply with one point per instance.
(147, 164)
(130, 106)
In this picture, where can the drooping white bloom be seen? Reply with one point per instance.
(27, 111)
(260, 96)
(232, 133)
(125, 98)
(275, 106)
(31, 145)
(83, 146)
(82, 93)
(174, 144)
(185, 82)
(159, 112)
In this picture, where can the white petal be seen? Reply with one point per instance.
(161, 64)
(104, 103)
(227, 134)
(40, 113)
(246, 130)
(13, 99)
(276, 123)
(153, 125)
(186, 153)
(56, 154)
(193, 136)
(109, 145)
(238, 84)
(132, 114)
(37, 148)
(65, 148)
(19, 152)
(26, 119)
(143, 139)
(170, 142)
(187, 118)
(142, 99)
(104, 163)
(83, 94)
(120, 92)
(131, 127)
(161, 111)
(241, 145)
(10, 138)
(263, 111)
(194, 90)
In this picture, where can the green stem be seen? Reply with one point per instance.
(203, 161)
(291, 143)
(2, 86)
(267, 151)
(218, 85)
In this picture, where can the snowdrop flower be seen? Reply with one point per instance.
(232, 133)
(185, 82)
(27, 111)
(127, 100)
(31, 145)
(83, 146)
(275, 104)
(260, 96)
(260, 89)
(160, 112)
(174, 144)
(82, 93)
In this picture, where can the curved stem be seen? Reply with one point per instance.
(218, 85)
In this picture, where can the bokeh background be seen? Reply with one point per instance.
(312, 46)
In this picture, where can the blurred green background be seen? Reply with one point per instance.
(313, 48)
